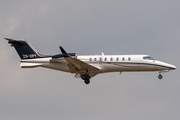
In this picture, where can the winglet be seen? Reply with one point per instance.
(64, 53)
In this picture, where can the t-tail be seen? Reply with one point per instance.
(24, 49)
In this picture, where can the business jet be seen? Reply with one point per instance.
(87, 66)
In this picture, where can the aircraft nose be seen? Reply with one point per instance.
(166, 65)
(172, 67)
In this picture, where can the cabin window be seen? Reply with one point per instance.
(123, 59)
(117, 59)
(90, 59)
(100, 59)
(94, 59)
(111, 59)
(105, 59)
(129, 58)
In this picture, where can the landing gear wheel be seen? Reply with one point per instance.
(160, 76)
(87, 81)
(86, 78)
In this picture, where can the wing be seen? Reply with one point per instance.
(75, 64)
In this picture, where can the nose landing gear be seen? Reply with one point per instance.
(160, 76)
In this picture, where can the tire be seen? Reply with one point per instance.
(87, 81)
(160, 76)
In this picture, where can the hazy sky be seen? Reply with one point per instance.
(90, 27)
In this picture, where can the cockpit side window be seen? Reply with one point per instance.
(148, 58)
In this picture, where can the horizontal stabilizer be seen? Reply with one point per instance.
(9, 39)
(12, 41)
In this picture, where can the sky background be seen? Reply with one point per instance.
(90, 27)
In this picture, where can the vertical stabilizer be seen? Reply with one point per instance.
(24, 49)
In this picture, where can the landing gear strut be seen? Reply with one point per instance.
(160, 76)
(86, 78)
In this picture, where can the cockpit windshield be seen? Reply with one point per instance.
(148, 58)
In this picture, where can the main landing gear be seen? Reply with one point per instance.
(160, 76)
(86, 78)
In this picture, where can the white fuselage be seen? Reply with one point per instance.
(106, 63)
(86, 67)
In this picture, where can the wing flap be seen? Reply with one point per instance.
(72, 68)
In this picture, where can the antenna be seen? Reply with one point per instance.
(102, 54)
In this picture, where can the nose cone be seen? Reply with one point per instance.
(165, 65)
(172, 67)
(169, 66)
